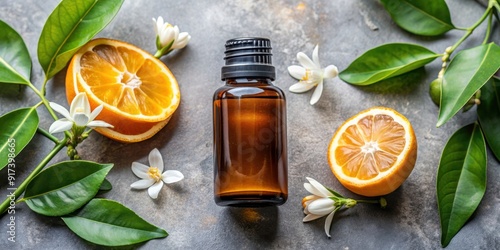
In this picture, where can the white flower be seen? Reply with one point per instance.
(152, 176)
(168, 36)
(78, 115)
(310, 74)
(319, 204)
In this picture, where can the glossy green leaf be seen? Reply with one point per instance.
(109, 223)
(468, 71)
(15, 60)
(65, 187)
(421, 17)
(386, 61)
(488, 113)
(461, 179)
(72, 24)
(17, 128)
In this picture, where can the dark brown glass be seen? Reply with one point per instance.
(250, 144)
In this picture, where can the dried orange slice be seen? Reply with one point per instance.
(373, 152)
(138, 91)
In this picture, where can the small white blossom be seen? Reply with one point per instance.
(324, 201)
(78, 115)
(153, 176)
(310, 74)
(319, 204)
(168, 37)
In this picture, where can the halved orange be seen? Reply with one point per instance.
(373, 152)
(138, 91)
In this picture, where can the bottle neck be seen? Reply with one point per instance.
(249, 80)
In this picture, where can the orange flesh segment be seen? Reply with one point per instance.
(370, 147)
(122, 78)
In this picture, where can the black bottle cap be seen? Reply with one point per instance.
(248, 57)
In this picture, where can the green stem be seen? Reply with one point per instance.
(382, 201)
(46, 103)
(497, 5)
(368, 201)
(488, 29)
(44, 85)
(47, 134)
(158, 54)
(44, 100)
(19, 190)
(473, 27)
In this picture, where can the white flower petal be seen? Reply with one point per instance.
(154, 190)
(316, 56)
(60, 126)
(305, 61)
(330, 71)
(301, 87)
(80, 119)
(176, 32)
(80, 103)
(297, 72)
(155, 159)
(61, 110)
(142, 184)
(328, 223)
(101, 124)
(182, 36)
(317, 93)
(140, 170)
(311, 189)
(171, 176)
(96, 112)
(166, 36)
(321, 206)
(181, 41)
(311, 217)
(157, 27)
(320, 190)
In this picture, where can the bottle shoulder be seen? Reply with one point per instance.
(248, 91)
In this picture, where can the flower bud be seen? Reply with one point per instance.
(435, 90)
(383, 202)
(474, 100)
(350, 203)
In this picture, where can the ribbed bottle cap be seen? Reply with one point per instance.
(248, 57)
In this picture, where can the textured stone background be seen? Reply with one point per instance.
(344, 29)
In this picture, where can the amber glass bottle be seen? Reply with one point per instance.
(250, 140)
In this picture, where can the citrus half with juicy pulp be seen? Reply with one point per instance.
(373, 152)
(138, 91)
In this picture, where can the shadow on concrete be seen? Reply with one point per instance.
(258, 224)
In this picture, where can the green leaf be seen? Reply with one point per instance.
(65, 187)
(386, 61)
(461, 179)
(421, 17)
(109, 223)
(105, 186)
(15, 60)
(72, 24)
(489, 115)
(17, 128)
(468, 71)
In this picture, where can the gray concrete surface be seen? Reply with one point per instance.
(344, 29)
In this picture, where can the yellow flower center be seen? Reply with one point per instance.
(79, 110)
(154, 173)
(307, 75)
